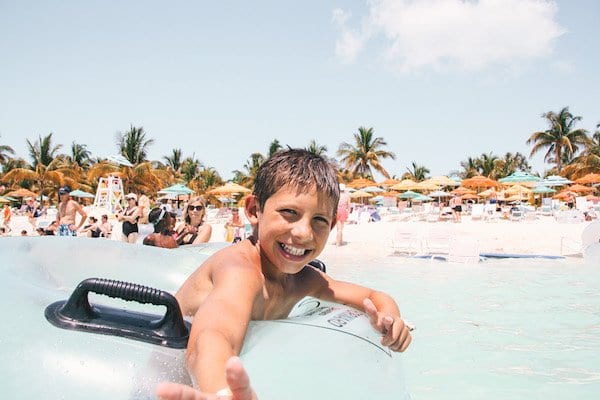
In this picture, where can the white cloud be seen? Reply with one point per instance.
(452, 34)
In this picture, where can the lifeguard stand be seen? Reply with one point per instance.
(109, 194)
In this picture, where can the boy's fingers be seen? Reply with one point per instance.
(177, 391)
(371, 311)
(238, 380)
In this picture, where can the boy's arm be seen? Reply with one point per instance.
(220, 324)
(381, 308)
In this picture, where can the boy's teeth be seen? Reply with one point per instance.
(293, 250)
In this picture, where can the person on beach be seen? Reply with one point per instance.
(129, 217)
(292, 210)
(91, 229)
(144, 206)
(6, 215)
(164, 224)
(194, 230)
(456, 207)
(234, 227)
(67, 213)
(105, 226)
(343, 210)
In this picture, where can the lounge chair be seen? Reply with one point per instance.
(406, 242)
(477, 212)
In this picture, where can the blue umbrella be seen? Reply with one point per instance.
(519, 177)
(178, 189)
(409, 194)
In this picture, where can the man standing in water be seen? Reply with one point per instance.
(67, 213)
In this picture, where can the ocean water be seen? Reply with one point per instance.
(518, 329)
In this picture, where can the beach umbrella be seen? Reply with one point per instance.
(409, 194)
(178, 189)
(580, 188)
(519, 177)
(442, 180)
(479, 181)
(469, 196)
(22, 192)
(388, 182)
(542, 189)
(230, 188)
(360, 194)
(424, 185)
(589, 178)
(360, 183)
(119, 159)
(82, 194)
(4, 200)
(554, 180)
(462, 190)
(517, 189)
(405, 184)
(422, 197)
(373, 189)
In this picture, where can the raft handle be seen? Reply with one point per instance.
(77, 313)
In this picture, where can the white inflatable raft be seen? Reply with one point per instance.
(321, 350)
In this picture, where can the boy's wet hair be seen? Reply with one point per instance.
(299, 169)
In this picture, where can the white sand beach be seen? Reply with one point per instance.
(545, 235)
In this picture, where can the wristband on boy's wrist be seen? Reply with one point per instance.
(225, 392)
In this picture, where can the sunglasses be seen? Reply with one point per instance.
(197, 208)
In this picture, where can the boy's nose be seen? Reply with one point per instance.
(302, 231)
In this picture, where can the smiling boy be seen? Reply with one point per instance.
(292, 211)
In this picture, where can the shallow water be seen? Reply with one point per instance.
(497, 329)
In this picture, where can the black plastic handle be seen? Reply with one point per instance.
(77, 313)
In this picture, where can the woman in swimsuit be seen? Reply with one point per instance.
(193, 230)
(130, 217)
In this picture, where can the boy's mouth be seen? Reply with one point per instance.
(294, 251)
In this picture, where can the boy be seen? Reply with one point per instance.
(292, 211)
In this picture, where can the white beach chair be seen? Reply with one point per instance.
(406, 242)
(437, 241)
(477, 212)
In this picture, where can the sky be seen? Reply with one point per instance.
(438, 80)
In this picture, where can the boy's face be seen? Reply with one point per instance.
(294, 228)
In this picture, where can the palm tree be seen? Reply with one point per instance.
(5, 152)
(508, 164)
(561, 139)
(366, 153)
(133, 144)
(588, 161)
(486, 164)
(80, 155)
(174, 160)
(252, 165)
(316, 149)
(418, 173)
(274, 147)
(44, 167)
(470, 168)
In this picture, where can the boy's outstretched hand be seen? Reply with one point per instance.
(396, 334)
(237, 379)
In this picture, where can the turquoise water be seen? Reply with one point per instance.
(523, 329)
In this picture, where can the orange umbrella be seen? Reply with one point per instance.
(589, 178)
(21, 193)
(361, 183)
(388, 182)
(462, 190)
(580, 188)
(479, 181)
(229, 188)
(469, 196)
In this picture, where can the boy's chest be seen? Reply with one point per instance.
(274, 302)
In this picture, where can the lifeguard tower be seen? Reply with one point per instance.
(109, 194)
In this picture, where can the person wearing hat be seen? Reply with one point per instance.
(129, 217)
(67, 213)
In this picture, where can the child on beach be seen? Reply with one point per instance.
(292, 211)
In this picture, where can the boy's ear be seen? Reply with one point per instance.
(252, 209)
